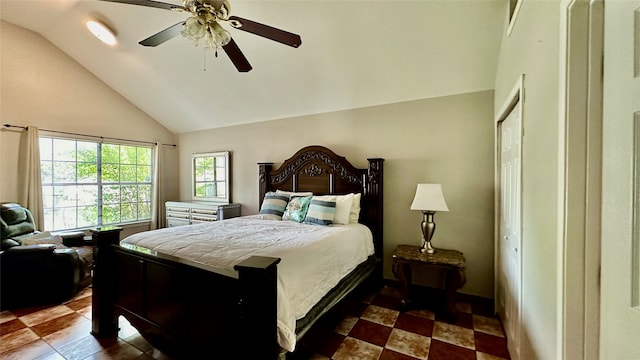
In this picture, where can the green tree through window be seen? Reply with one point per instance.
(88, 183)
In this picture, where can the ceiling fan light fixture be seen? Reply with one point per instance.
(102, 32)
(197, 28)
(204, 25)
(193, 30)
(222, 36)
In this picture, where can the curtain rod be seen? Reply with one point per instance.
(94, 136)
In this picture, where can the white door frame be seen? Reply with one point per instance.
(516, 95)
(581, 185)
(620, 256)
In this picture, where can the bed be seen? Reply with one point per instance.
(187, 302)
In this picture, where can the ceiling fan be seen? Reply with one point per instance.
(204, 24)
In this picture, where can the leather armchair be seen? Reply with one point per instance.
(33, 274)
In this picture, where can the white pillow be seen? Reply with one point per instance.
(354, 215)
(343, 209)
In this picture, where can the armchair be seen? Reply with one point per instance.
(34, 274)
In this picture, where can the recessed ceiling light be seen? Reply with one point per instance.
(102, 32)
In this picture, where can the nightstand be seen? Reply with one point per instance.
(451, 261)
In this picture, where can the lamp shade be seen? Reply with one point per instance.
(429, 197)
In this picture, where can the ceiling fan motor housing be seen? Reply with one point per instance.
(221, 8)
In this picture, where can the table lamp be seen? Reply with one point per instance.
(428, 199)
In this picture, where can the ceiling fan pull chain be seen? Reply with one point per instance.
(204, 59)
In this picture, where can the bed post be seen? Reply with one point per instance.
(375, 208)
(259, 307)
(104, 321)
(263, 180)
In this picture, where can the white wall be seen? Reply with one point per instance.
(447, 140)
(532, 50)
(42, 86)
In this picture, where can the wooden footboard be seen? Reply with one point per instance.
(182, 309)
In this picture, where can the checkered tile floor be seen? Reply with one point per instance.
(372, 327)
(363, 327)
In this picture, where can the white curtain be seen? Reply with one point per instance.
(158, 219)
(29, 179)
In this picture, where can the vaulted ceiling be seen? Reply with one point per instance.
(354, 53)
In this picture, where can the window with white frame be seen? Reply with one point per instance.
(87, 183)
(211, 176)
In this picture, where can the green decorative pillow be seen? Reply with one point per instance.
(297, 208)
(321, 211)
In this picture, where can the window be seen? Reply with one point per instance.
(211, 176)
(86, 183)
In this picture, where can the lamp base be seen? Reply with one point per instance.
(428, 228)
(427, 248)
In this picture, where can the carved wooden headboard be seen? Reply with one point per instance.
(319, 170)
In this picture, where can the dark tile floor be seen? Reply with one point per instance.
(362, 327)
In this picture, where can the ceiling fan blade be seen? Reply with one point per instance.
(237, 57)
(150, 3)
(268, 32)
(164, 35)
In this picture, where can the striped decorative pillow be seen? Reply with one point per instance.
(321, 210)
(273, 206)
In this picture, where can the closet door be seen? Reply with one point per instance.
(509, 256)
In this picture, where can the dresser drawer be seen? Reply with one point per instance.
(203, 218)
(177, 215)
(204, 212)
(176, 209)
(172, 222)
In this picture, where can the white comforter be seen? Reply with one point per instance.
(314, 258)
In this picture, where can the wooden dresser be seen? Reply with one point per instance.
(187, 213)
